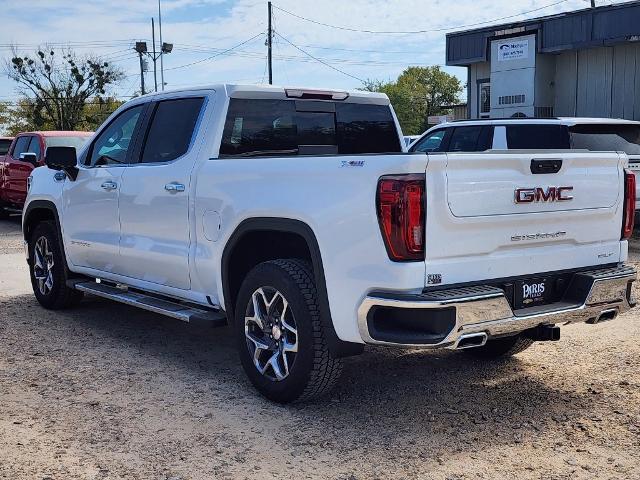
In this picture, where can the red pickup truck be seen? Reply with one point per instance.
(26, 153)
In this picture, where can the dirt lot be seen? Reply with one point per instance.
(106, 391)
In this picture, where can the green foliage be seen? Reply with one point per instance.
(60, 92)
(24, 116)
(417, 93)
(27, 116)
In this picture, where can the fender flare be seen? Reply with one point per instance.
(45, 205)
(40, 205)
(338, 347)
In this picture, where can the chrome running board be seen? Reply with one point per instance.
(163, 306)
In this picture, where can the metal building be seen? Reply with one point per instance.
(583, 63)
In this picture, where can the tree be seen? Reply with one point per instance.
(23, 117)
(418, 93)
(58, 88)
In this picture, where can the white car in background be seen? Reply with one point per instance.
(593, 134)
(409, 139)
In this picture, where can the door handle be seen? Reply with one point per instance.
(174, 187)
(109, 185)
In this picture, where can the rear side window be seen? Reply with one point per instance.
(171, 129)
(366, 129)
(606, 138)
(22, 143)
(289, 127)
(476, 138)
(4, 146)
(539, 137)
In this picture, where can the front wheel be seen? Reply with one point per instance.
(48, 270)
(282, 345)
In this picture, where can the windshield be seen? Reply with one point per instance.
(606, 138)
(5, 143)
(76, 142)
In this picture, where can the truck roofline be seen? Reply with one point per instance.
(233, 90)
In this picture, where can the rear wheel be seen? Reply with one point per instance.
(501, 347)
(280, 337)
(48, 270)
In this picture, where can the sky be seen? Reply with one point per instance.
(205, 32)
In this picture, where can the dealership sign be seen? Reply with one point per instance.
(437, 119)
(513, 50)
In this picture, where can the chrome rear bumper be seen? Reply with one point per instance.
(595, 294)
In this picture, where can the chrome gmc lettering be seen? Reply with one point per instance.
(538, 194)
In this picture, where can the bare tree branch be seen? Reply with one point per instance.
(61, 84)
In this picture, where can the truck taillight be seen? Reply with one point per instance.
(628, 212)
(400, 205)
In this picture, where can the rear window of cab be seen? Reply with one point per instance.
(265, 127)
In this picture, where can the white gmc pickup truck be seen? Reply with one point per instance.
(294, 216)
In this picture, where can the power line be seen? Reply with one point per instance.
(433, 30)
(253, 54)
(390, 52)
(319, 60)
(303, 58)
(217, 54)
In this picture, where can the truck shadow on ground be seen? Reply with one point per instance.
(385, 395)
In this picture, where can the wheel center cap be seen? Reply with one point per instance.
(276, 332)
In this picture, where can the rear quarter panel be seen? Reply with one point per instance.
(335, 200)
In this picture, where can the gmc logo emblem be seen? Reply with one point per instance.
(538, 194)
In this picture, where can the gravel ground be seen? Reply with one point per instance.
(106, 391)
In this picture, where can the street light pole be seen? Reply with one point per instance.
(141, 74)
(269, 36)
(155, 71)
(141, 47)
(161, 47)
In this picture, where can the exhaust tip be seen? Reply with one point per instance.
(471, 340)
(604, 316)
(607, 315)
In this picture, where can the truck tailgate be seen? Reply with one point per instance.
(496, 214)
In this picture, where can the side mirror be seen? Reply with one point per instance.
(30, 157)
(62, 158)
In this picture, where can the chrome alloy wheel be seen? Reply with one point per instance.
(271, 333)
(43, 265)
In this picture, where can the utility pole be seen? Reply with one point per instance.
(141, 74)
(269, 36)
(141, 47)
(155, 71)
(161, 47)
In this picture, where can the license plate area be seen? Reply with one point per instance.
(532, 292)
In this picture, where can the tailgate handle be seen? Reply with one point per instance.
(551, 165)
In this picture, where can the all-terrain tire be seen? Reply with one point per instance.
(501, 347)
(314, 370)
(57, 295)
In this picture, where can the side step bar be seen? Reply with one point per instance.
(170, 308)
